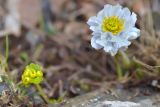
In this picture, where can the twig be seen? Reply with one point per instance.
(145, 65)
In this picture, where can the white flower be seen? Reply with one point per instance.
(113, 28)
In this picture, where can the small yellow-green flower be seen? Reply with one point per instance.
(32, 74)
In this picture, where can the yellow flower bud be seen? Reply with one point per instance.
(39, 73)
(26, 80)
(32, 74)
(26, 73)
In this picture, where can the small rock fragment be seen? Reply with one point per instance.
(120, 104)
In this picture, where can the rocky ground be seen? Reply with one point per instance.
(117, 98)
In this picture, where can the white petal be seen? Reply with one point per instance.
(114, 51)
(133, 33)
(117, 46)
(117, 39)
(108, 46)
(94, 24)
(126, 14)
(116, 10)
(94, 44)
(101, 42)
(134, 18)
(101, 15)
(92, 21)
(124, 43)
(106, 36)
(95, 28)
(134, 29)
(131, 21)
(128, 25)
(96, 34)
(107, 9)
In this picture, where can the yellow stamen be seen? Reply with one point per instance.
(113, 24)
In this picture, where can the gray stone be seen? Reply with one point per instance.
(115, 98)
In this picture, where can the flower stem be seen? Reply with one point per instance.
(6, 52)
(42, 94)
(119, 72)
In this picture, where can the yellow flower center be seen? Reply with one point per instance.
(113, 24)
